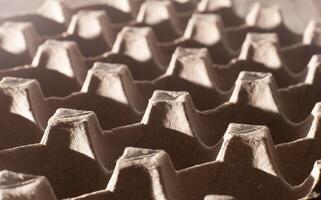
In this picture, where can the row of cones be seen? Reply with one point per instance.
(247, 166)
(95, 32)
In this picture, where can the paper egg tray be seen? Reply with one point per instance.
(159, 100)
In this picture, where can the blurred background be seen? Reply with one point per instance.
(296, 12)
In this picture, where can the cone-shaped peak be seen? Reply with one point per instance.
(144, 174)
(262, 48)
(139, 43)
(206, 29)
(315, 128)
(22, 186)
(157, 11)
(77, 130)
(317, 109)
(314, 70)
(56, 10)
(25, 98)
(113, 81)
(173, 110)
(92, 24)
(62, 56)
(19, 37)
(264, 16)
(249, 146)
(193, 65)
(256, 89)
(316, 174)
(312, 33)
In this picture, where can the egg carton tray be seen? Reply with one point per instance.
(158, 99)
